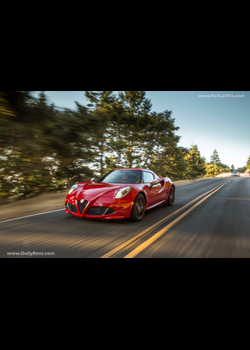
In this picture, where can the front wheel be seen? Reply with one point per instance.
(139, 208)
(171, 197)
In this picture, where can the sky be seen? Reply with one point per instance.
(218, 121)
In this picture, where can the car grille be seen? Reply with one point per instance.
(100, 211)
(72, 208)
(82, 206)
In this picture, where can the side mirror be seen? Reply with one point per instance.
(153, 183)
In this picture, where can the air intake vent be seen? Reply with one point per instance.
(94, 211)
(82, 206)
(72, 208)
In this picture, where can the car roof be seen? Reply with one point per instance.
(134, 169)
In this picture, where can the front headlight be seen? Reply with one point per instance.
(73, 188)
(123, 192)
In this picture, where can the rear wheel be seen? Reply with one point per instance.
(138, 209)
(171, 197)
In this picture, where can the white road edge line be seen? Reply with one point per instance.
(29, 216)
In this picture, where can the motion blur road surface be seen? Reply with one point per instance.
(216, 224)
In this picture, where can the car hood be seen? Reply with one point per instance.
(96, 189)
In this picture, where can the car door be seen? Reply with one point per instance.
(154, 194)
(164, 188)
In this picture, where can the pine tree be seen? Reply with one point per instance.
(215, 159)
(100, 116)
(137, 108)
(196, 164)
(136, 102)
(160, 146)
(100, 98)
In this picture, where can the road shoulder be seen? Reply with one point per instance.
(40, 204)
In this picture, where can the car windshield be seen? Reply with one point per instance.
(122, 176)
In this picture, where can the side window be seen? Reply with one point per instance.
(147, 177)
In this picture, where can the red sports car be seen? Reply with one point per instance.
(121, 193)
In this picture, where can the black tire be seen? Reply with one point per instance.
(139, 208)
(171, 197)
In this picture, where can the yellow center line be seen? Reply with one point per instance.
(149, 229)
(144, 245)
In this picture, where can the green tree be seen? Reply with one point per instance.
(101, 113)
(23, 169)
(242, 169)
(172, 163)
(100, 99)
(225, 168)
(215, 159)
(232, 168)
(70, 139)
(213, 170)
(196, 164)
(48, 148)
(136, 102)
(134, 121)
(42, 148)
(248, 163)
(160, 151)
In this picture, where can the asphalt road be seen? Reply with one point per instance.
(209, 219)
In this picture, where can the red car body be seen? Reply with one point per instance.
(99, 198)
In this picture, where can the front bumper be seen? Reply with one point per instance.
(116, 208)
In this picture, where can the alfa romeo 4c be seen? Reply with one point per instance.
(120, 194)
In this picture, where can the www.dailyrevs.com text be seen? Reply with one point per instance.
(222, 96)
(31, 253)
